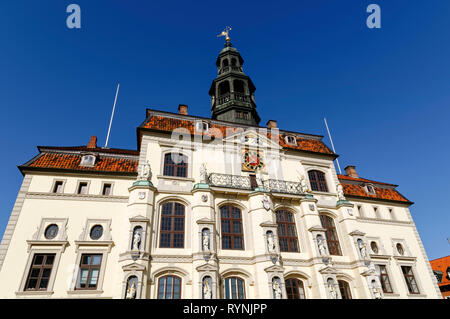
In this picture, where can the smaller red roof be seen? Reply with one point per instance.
(355, 187)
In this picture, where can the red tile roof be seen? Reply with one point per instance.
(383, 191)
(169, 124)
(441, 264)
(71, 161)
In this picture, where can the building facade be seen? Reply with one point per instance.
(209, 208)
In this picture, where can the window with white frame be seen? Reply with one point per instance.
(202, 126)
(87, 160)
(58, 187)
(290, 139)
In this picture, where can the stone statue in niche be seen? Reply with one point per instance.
(203, 174)
(131, 292)
(332, 289)
(362, 248)
(207, 293)
(276, 288)
(376, 290)
(321, 245)
(259, 178)
(136, 240)
(340, 192)
(205, 240)
(270, 242)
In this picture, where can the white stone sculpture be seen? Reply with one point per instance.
(146, 172)
(376, 290)
(321, 245)
(340, 192)
(136, 240)
(362, 248)
(203, 174)
(276, 289)
(205, 240)
(331, 288)
(303, 184)
(131, 292)
(207, 293)
(270, 243)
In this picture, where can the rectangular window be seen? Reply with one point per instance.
(89, 271)
(245, 116)
(410, 280)
(106, 189)
(82, 188)
(360, 211)
(238, 114)
(40, 271)
(58, 187)
(384, 279)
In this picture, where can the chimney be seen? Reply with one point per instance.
(92, 142)
(351, 171)
(271, 124)
(182, 109)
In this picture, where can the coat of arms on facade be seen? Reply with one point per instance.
(266, 202)
(252, 160)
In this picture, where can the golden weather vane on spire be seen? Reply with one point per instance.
(225, 33)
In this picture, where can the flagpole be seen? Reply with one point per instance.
(112, 116)
(332, 145)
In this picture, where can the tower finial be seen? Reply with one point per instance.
(225, 34)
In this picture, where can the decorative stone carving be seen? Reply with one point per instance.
(207, 292)
(205, 239)
(376, 290)
(362, 248)
(136, 239)
(340, 192)
(131, 291)
(303, 184)
(266, 202)
(321, 245)
(203, 174)
(276, 287)
(332, 289)
(145, 173)
(270, 242)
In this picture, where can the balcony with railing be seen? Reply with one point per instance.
(246, 183)
(232, 96)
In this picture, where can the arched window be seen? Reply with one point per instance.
(317, 181)
(233, 62)
(224, 88)
(169, 287)
(287, 233)
(231, 222)
(175, 165)
(238, 86)
(172, 225)
(331, 234)
(234, 288)
(294, 289)
(344, 287)
(224, 62)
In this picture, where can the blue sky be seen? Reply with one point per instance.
(385, 92)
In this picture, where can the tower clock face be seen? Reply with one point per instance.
(252, 160)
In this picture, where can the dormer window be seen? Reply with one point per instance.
(370, 189)
(87, 160)
(202, 126)
(290, 139)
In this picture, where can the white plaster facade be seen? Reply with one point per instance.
(140, 205)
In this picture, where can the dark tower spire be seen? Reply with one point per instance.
(232, 92)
